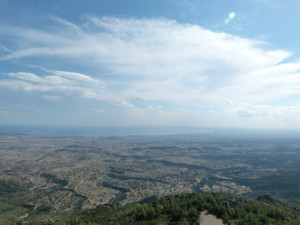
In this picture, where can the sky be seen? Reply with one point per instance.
(199, 63)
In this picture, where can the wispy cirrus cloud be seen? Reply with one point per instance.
(61, 82)
(31, 77)
(183, 66)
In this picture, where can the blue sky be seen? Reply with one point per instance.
(160, 62)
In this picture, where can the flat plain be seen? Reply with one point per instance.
(51, 177)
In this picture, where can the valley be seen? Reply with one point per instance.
(52, 177)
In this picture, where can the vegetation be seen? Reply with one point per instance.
(51, 178)
(185, 209)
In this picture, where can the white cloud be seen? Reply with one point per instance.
(250, 110)
(69, 75)
(57, 79)
(159, 60)
(64, 82)
(75, 76)
(26, 76)
(155, 107)
(146, 47)
(31, 77)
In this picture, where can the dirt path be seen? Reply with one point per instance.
(209, 219)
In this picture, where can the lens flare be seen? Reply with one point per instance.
(231, 15)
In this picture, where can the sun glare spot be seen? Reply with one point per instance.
(230, 17)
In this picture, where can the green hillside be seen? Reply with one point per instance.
(185, 209)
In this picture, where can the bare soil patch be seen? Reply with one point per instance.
(209, 219)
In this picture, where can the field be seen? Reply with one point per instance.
(48, 177)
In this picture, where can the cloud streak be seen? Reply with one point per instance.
(183, 66)
(63, 82)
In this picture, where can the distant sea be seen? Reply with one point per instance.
(137, 131)
(100, 131)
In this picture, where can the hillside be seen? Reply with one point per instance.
(186, 208)
(51, 178)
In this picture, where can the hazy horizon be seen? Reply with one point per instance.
(104, 131)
